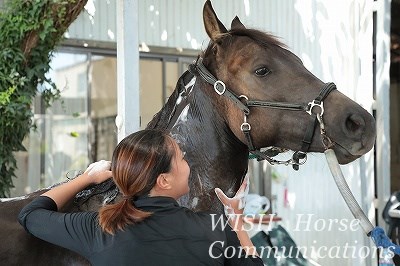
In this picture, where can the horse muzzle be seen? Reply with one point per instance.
(359, 133)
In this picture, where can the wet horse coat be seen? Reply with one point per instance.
(207, 126)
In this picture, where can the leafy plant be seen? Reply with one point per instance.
(29, 32)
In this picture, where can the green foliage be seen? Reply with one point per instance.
(30, 30)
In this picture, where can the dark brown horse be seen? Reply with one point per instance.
(245, 91)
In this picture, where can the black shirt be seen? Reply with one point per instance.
(172, 235)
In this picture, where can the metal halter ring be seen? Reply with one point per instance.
(245, 126)
(219, 83)
(244, 97)
(314, 103)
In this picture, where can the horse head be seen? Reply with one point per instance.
(278, 91)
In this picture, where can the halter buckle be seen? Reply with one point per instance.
(313, 104)
(217, 86)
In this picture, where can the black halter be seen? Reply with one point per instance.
(299, 157)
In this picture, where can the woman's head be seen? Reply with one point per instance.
(139, 159)
(145, 162)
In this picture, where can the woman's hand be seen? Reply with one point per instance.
(234, 211)
(234, 206)
(98, 172)
(95, 174)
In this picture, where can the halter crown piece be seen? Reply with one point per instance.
(244, 104)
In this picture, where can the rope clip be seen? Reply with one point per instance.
(313, 104)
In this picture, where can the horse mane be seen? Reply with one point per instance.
(262, 38)
(161, 119)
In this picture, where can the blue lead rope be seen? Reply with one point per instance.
(380, 239)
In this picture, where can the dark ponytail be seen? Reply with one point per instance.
(137, 162)
(116, 216)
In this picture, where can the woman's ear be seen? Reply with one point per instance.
(163, 182)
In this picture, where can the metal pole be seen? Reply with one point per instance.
(128, 118)
(382, 105)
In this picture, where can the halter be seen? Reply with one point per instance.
(242, 101)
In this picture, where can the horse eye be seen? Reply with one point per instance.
(262, 71)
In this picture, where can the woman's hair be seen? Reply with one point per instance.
(136, 163)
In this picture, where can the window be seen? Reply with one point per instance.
(80, 128)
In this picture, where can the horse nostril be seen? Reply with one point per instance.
(355, 124)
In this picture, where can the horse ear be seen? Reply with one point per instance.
(213, 25)
(237, 24)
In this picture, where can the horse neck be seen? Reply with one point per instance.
(216, 157)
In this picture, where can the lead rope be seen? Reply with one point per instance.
(377, 233)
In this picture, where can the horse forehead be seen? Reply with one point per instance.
(236, 63)
(245, 51)
(243, 56)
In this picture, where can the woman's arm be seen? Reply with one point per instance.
(95, 174)
(74, 231)
(234, 212)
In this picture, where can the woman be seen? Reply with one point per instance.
(147, 226)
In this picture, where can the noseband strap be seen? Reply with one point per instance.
(299, 157)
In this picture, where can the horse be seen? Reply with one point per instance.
(246, 92)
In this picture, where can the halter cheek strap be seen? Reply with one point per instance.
(218, 85)
(299, 157)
